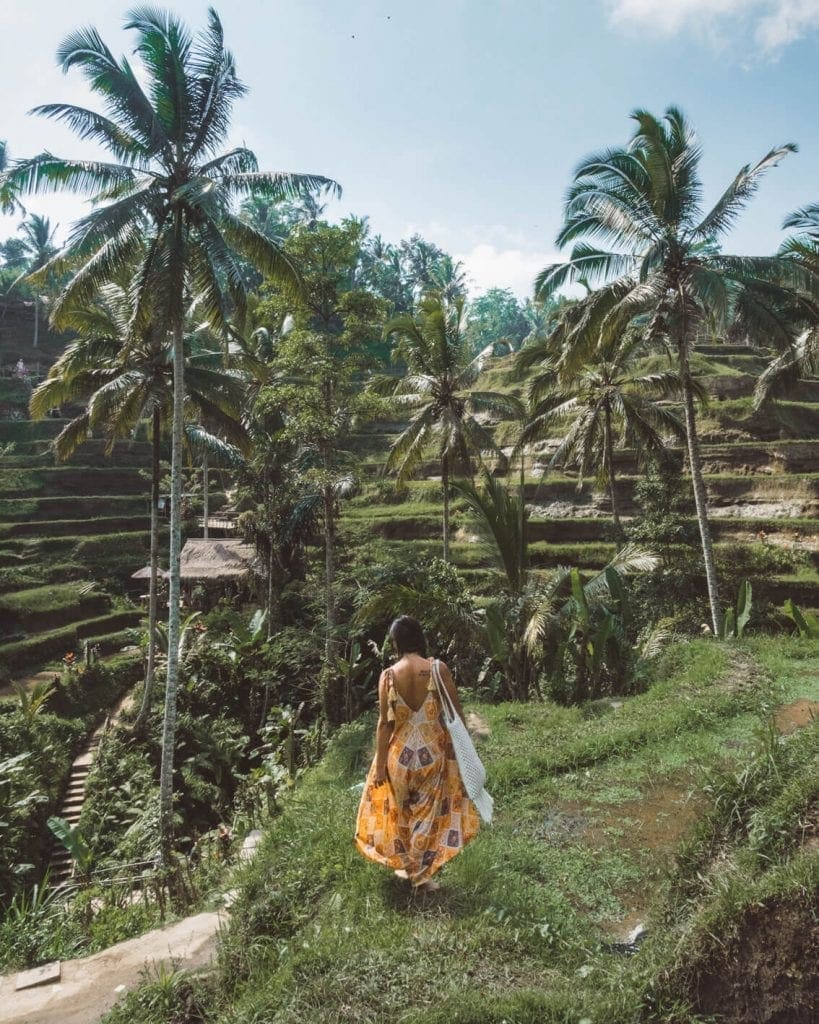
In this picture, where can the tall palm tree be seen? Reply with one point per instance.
(449, 279)
(799, 355)
(38, 248)
(123, 385)
(8, 195)
(170, 176)
(634, 217)
(435, 346)
(610, 401)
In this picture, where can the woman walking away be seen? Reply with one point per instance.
(414, 814)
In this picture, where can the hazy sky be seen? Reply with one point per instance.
(463, 120)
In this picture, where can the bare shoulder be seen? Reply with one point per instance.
(446, 675)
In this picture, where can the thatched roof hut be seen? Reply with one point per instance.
(217, 559)
(145, 573)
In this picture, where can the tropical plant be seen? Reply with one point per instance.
(433, 592)
(168, 182)
(316, 387)
(37, 248)
(8, 196)
(74, 840)
(441, 371)
(123, 374)
(609, 401)
(502, 520)
(32, 702)
(643, 201)
(524, 621)
(249, 641)
(736, 616)
(497, 318)
(807, 624)
(383, 272)
(420, 260)
(449, 279)
(799, 351)
(588, 625)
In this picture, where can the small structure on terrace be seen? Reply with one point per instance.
(214, 568)
(209, 569)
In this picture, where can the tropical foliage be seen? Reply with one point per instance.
(643, 200)
(441, 371)
(296, 361)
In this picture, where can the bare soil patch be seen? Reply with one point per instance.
(766, 971)
(796, 716)
(657, 821)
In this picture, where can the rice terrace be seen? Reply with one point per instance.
(409, 562)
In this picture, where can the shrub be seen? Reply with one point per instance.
(35, 757)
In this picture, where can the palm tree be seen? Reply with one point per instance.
(123, 385)
(441, 372)
(799, 355)
(8, 196)
(38, 248)
(525, 606)
(641, 203)
(449, 279)
(168, 180)
(609, 400)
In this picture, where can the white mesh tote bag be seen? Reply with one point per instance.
(473, 773)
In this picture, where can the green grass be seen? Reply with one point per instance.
(43, 509)
(75, 527)
(591, 812)
(30, 575)
(61, 480)
(50, 646)
(30, 430)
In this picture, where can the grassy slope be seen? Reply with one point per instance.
(591, 809)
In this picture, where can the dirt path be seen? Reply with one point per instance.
(88, 988)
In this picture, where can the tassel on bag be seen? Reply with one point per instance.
(473, 773)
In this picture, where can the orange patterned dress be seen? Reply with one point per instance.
(420, 817)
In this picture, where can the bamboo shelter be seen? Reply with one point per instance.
(210, 569)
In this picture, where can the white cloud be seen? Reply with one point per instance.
(773, 24)
(491, 267)
(667, 17)
(786, 22)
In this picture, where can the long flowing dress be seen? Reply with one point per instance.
(420, 817)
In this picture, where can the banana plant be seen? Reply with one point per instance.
(736, 619)
(73, 839)
(32, 703)
(806, 623)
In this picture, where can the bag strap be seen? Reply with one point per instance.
(391, 698)
(443, 694)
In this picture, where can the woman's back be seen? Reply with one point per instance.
(411, 677)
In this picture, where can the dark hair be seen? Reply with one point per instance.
(407, 636)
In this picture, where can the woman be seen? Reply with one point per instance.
(414, 814)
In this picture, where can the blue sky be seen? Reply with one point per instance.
(463, 120)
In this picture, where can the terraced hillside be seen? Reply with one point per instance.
(762, 473)
(69, 537)
(63, 527)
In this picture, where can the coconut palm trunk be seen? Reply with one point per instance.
(174, 558)
(142, 717)
(271, 618)
(700, 496)
(329, 596)
(608, 443)
(205, 495)
(445, 485)
(36, 340)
